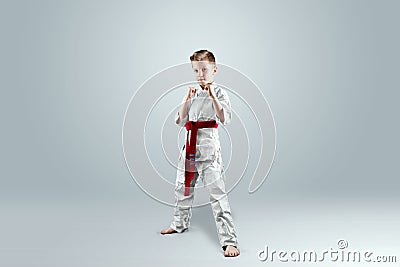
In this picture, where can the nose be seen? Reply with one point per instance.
(200, 73)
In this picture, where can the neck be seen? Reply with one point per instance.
(207, 84)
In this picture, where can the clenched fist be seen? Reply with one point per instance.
(190, 93)
(210, 92)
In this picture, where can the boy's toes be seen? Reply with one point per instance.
(168, 231)
(231, 251)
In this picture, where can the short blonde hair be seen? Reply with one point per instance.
(203, 55)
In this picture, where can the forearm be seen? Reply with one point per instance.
(218, 109)
(183, 110)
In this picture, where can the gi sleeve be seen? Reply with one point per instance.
(226, 106)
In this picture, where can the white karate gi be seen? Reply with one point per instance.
(209, 166)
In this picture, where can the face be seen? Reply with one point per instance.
(204, 71)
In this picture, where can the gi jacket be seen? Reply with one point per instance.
(201, 108)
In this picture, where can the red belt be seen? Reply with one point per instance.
(193, 126)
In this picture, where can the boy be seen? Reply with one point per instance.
(202, 106)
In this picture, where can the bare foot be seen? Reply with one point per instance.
(168, 230)
(231, 251)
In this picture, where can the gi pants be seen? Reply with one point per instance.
(212, 176)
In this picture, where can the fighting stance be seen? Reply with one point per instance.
(202, 106)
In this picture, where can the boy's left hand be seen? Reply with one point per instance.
(210, 91)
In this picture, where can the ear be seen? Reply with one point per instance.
(215, 68)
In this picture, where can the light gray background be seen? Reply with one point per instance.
(69, 68)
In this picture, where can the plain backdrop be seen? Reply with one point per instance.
(68, 69)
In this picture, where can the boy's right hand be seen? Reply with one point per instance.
(190, 93)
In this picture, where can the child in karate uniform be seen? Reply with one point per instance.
(203, 106)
